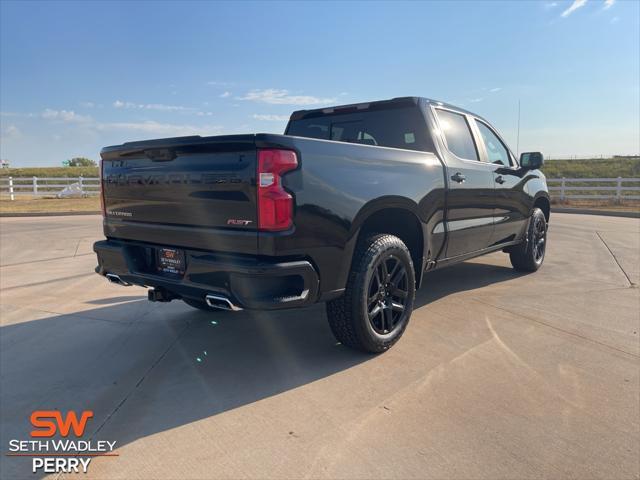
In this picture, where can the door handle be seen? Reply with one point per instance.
(458, 177)
(500, 180)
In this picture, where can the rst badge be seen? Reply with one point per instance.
(237, 221)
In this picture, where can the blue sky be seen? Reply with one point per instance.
(81, 75)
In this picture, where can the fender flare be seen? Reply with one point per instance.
(377, 205)
(538, 196)
(382, 203)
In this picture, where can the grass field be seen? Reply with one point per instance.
(50, 205)
(604, 205)
(593, 168)
(50, 172)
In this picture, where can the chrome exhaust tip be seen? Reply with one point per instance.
(221, 302)
(113, 278)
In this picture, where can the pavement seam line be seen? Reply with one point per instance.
(559, 329)
(126, 397)
(77, 247)
(534, 295)
(82, 315)
(45, 282)
(76, 314)
(149, 370)
(615, 259)
(45, 260)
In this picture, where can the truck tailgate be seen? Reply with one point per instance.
(194, 192)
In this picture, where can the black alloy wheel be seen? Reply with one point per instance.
(529, 255)
(377, 303)
(388, 292)
(539, 237)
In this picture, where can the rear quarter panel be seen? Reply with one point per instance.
(337, 186)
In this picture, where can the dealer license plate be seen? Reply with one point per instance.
(171, 261)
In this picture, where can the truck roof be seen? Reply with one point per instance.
(374, 105)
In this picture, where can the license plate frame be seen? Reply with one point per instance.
(171, 261)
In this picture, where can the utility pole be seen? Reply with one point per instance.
(518, 136)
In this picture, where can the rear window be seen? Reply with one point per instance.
(397, 128)
(458, 134)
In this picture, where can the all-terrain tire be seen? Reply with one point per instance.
(529, 255)
(349, 315)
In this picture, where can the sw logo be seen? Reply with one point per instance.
(44, 419)
(61, 454)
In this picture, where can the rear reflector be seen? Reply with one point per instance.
(275, 204)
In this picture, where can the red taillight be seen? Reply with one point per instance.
(275, 204)
(102, 205)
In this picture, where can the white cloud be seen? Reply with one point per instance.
(11, 132)
(17, 114)
(220, 84)
(68, 116)
(162, 129)
(149, 127)
(496, 89)
(162, 107)
(476, 100)
(573, 7)
(225, 94)
(150, 106)
(614, 20)
(282, 97)
(87, 104)
(608, 4)
(551, 5)
(271, 118)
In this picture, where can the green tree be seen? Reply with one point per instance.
(81, 162)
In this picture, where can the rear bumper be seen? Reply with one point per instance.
(252, 283)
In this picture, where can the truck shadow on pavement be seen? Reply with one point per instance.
(460, 278)
(146, 368)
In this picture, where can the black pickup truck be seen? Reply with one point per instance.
(351, 206)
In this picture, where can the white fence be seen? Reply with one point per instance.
(618, 189)
(46, 186)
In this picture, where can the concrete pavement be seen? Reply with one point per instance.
(499, 375)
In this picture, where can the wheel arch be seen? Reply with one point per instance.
(396, 216)
(543, 202)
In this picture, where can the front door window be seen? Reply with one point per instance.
(496, 150)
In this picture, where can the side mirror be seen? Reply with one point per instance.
(531, 160)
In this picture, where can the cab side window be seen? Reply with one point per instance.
(457, 134)
(496, 150)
